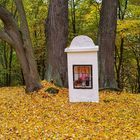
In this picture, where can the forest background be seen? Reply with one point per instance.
(84, 16)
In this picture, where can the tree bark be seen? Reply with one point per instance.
(57, 35)
(27, 40)
(121, 13)
(107, 34)
(136, 52)
(10, 65)
(119, 67)
(13, 36)
(5, 63)
(73, 17)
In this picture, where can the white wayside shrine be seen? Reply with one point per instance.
(83, 70)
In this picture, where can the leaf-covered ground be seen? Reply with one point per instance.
(52, 117)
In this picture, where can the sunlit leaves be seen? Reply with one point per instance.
(133, 12)
(127, 27)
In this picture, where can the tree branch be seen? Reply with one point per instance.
(7, 17)
(11, 31)
(4, 36)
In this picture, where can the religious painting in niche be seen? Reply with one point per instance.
(82, 76)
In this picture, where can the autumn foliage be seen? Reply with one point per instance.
(43, 116)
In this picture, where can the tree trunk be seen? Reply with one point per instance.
(120, 53)
(120, 65)
(138, 69)
(107, 34)
(57, 35)
(136, 52)
(10, 65)
(73, 17)
(23, 49)
(5, 63)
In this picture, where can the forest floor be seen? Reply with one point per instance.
(40, 116)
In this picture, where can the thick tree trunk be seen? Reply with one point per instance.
(27, 41)
(57, 35)
(107, 34)
(13, 36)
